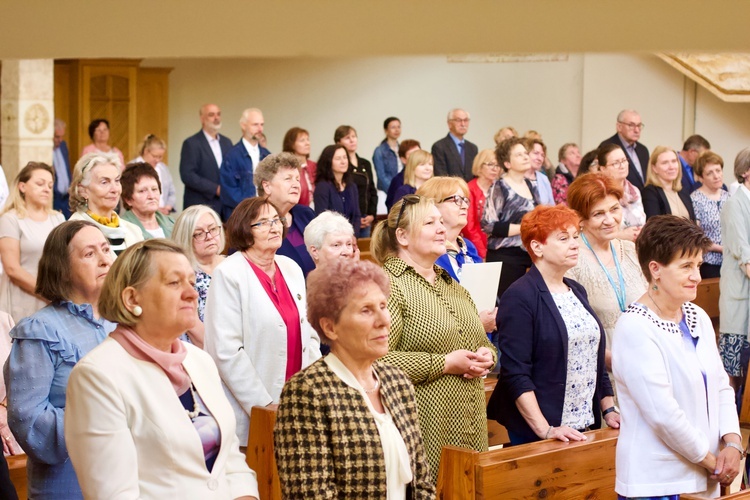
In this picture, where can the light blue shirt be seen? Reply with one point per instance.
(46, 346)
(544, 187)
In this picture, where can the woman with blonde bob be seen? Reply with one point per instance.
(418, 170)
(663, 193)
(486, 170)
(199, 232)
(436, 335)
(95, 191)
(143, 382)
(25, 223)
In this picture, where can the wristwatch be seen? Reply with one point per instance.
(610, 410)
(737, 447)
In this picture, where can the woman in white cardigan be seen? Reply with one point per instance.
(679, 431)
(256, 314)
(145, 414)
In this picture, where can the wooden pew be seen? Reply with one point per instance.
(17, 468)
(363, 244)
(259, 455)
(708, 299)
(740, 495)
(546, 469)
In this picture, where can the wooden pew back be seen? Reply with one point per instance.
(260, 452)
(546, 469)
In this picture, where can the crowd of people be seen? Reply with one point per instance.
(138, 339)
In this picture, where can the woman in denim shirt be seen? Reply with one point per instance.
(46, 346)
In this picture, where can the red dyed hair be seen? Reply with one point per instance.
(589, 189)
(538, 224)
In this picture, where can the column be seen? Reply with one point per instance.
(27, 105)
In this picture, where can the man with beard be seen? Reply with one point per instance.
(237, 170)
(202, 155)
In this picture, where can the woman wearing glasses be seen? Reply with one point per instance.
(486, 170)
(256, 313)
(436, 335)
(614, 164)
(198, 231)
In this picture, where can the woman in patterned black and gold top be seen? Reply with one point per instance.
(436, 336)
(346, 426)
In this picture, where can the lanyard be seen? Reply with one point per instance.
(619, 291)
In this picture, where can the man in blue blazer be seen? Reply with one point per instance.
(237, 169)
(694, 146)
(202, 155)
(453, 155)
(629, 126)
(61, 163)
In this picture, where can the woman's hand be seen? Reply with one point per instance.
(488, 320)
(482, 365)
(459, 362)
(366, 221)
(10, 446)
(747, 269)
(613, 419)
(564, 433)
(727, 464)
(629, 233)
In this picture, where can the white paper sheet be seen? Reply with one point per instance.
(481, 281)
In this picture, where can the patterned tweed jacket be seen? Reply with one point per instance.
(327, 443)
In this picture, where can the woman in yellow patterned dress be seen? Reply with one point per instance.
(436, 335)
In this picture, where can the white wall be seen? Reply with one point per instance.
(575, 100)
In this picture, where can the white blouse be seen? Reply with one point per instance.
(397, 463)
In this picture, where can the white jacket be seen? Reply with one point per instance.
(247, 337)
(129, 436)
(670, 420)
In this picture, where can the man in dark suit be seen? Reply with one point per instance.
(629, 126)
(694, 146)
(61, 163)
(202, 155)
(237, 170)
(453, 155)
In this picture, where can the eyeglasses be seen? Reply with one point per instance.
(634, 126)
(491, 164)
(203, 235)
(618, 163)
(461, 120)
(409, 199)
(458, 200)
(267, 223)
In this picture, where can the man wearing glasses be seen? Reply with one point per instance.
(629, 127)
(453, 155)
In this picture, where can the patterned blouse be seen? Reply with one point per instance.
(583, 349)
(428, 322)
(505, 207)
(708, 214)
(202, 282)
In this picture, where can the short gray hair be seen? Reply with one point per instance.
(246, 113)
(59, 124)
(82, 175)
(184, 227)
(452, 111)
(622, 113)
(742, 165)
(270, 166)
(326, 223)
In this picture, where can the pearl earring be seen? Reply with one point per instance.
(137, 311)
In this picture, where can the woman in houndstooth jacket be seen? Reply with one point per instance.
(347, 426)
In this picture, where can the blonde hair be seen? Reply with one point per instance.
(484, 156)
(132, 268)
(151, 142)
(652, 179)
(184, 227)
(418, 157)
(439, 188)
(82, 175)
(17, 199)
(500, 135)
(383, 243)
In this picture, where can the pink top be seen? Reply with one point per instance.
(6, 325)
(282, 298)
(473, 230)
(91, 148)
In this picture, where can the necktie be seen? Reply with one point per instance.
(461, 153)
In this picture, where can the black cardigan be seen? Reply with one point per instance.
(655, 202)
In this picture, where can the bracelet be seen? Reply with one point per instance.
(737, 447)
(546, 436)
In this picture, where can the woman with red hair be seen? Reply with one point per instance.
(553, 383)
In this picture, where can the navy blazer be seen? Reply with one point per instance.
(327, 197)
(60, 200)
(643, 157)
(236, 177)
(534, 346)
(200, 172)
(301, 217)
(447, 160)
(655, 202)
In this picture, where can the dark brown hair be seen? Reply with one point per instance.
(665, 238)
(604, 151)
(54, 266)
(707, 158)
(291, 137)
(238, 230)
(406, 145)
(502, 151)
(132, 176)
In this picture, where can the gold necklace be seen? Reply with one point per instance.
(661, 313)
